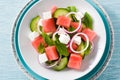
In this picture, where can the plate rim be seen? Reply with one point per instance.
(32, 75)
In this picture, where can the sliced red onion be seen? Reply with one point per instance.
(59, 32)
(49, 66)
(53, 36)
(67, 45)
(58, 28)
(78, 25)
(87, 40)
(92, 49)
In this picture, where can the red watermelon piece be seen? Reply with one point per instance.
(53, 9)
(37, 41)
(64, 21)
(51, 53)
(48, 25)
(74, 46)
(75, 25)
(75, 61)
(90, 33)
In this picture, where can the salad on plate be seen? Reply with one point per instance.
(62, 37)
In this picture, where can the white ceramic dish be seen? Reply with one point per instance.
(29, 57)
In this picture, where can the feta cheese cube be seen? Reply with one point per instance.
(79, 16)
(77, 40)
(47, 15)
(64, 38)
(33, 35)
(43, 58)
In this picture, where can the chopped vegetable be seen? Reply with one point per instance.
(60, 12)
(90, 33)
(53, 9)
(75, 61)
(72, 9)
(49, 25)
(87, 20)
(51, 53)
(41, 48)
(33, 23)
(37, 41)
(47, 39)
(62, 64)
(61, 48)
(78, 25)
(63, 21)
(87, 41)
(63, 37)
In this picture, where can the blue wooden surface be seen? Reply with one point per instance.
(9, 70)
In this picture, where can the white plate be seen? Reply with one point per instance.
(29, 57)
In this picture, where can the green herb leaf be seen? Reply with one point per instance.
(82, 46)
(41, 48)
(88, 50)
(74, 19)
(71, 28)
(61, 48)
(62, 64)
(72, 8)
(47, 39)
(87, 20)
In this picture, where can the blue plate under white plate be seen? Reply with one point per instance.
(92, 65)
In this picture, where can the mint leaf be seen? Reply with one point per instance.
(88, 50)
(71, 28)
(41, 48)
(61, 48)
(87, 20)
(72, 8)
(74, 19)
(47, 39)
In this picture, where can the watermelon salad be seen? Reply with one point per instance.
(62, 37)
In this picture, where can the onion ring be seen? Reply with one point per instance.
(87, 40)
(78, 25)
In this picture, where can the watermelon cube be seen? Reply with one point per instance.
(75, 61)
(49, 25)
(37, 41)
(74, 46)
(90, 33)
(75, 25)
(64, 21)
(53, 9)
(51, 53)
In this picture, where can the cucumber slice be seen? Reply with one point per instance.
(83, 26)
(62, 64)
(33, 23)
(60, 12)
(82, 46)
(88, 50)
